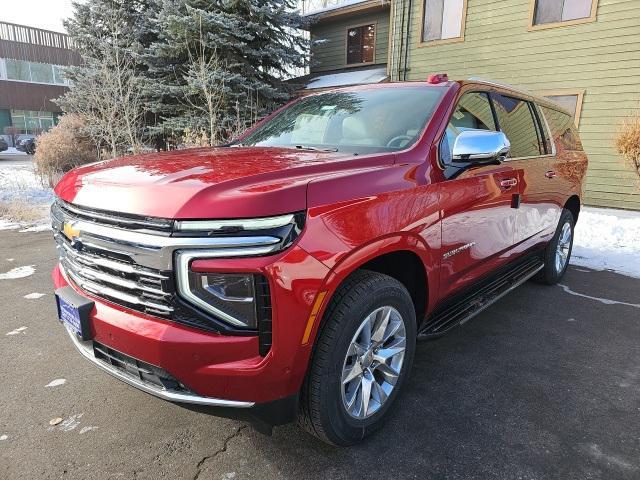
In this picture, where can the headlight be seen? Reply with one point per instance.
(231, 297)
(234, 298)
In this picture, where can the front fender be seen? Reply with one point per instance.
(357, 258)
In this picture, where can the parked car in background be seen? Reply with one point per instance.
(27, 145)
(3, 144)
(289, 274)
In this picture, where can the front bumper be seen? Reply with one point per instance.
(218, 369)
(87, 351)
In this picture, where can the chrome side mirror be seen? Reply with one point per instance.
(480, 146)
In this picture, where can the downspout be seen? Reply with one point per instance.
(406, 50)
(401, 42)
(392, 44)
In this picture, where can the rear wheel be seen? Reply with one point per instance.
(558, 251)
(362, 357)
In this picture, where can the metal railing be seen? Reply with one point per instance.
(34, 36)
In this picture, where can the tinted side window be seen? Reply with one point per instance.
(516, 120)
(563, 129)
(472, 113)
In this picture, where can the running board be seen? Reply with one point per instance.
(465, 307)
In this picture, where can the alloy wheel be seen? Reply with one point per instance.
(373, 362)
(564, 244)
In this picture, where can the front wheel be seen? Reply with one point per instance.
(362, 357)
(558, 251)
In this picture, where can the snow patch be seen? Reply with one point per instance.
(87, 429)
(20, 183)
(68, 424)
(17, 331)
(18, 272)
(3, 438)
(329, 5)
(13, 151)
(42, 227)
(56, 383)
(34, 295)
(354, 77)
(606, 301)
(8, 225)
(607, 239)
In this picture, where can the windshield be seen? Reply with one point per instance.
(366, 121)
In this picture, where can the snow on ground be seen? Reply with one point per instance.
(12, 151)
(19, 182)
(8, 224)
(34, 296)
(18, 272)
(607, 239)
(56, 383)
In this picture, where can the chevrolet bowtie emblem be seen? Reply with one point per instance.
(70, 231)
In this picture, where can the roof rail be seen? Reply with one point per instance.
(503, 85)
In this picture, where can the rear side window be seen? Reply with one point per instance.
(563, 129)
(517, 121)
(473, 112)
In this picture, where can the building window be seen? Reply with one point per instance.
(32, 122)
(361, 44)
(443, 20)
(553, 13)
(569, 100)
(18, 70)
(33, 72)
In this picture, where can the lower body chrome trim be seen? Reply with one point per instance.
(180, 397)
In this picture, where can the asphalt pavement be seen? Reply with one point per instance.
(545, 384)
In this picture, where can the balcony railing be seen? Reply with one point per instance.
(33, 36)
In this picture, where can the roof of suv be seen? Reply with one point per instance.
(471, 81)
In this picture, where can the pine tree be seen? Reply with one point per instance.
(253, 45)
(92, 25)
(108, 88)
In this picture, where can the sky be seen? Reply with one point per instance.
(47, 14)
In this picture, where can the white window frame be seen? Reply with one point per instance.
(460, 38)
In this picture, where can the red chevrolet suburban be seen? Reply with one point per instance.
(288, 274)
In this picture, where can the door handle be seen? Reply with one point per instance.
(550, 174)
(508, 183)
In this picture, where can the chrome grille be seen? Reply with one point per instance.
(121, 282)
(129, 260)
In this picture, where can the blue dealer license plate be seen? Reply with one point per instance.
(73, 311)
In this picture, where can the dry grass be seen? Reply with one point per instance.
(22, 212)
(628, 142)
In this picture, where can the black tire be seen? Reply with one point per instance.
(321, 411)
(550, 274)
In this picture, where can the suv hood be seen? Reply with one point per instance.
(224, 182)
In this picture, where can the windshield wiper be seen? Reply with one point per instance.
(316, 149)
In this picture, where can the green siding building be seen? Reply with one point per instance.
(585, 54)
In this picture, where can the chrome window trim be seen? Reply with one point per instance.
(170, 395)
(183, 263)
